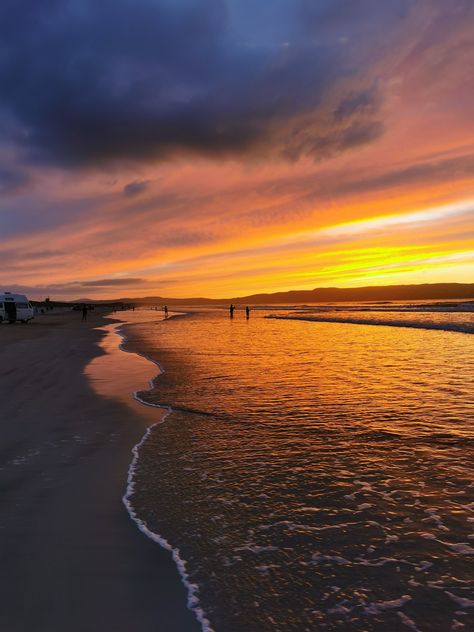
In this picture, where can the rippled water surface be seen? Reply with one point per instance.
(314, 475)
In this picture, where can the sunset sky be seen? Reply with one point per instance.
(226, 147)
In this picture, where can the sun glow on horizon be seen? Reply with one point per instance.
(381, 222)
(229, 164)
(380, 250)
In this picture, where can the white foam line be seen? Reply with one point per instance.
(193, 590)
(452, 327)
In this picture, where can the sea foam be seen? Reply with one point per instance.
(465, 328)
(192, 589)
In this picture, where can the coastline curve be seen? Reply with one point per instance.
(193, 603)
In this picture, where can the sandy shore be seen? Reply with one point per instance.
(70, 557)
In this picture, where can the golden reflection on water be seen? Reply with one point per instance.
(401, 380)
(315, 476)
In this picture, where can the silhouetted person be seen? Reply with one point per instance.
(166, 311)
(247, 312)
(231, 310)
(84, 313)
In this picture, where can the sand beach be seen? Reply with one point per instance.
(71, 557)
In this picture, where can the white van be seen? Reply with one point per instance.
(15, 307)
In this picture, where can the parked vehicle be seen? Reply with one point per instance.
(15, 307)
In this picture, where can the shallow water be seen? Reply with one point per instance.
(444, 316)
(118, 375)
(314, 476)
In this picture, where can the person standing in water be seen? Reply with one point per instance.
(165, 309)
(231, 310)
(84, 312)
(247, 312)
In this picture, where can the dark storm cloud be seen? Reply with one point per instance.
(87, 81)
(135, 188)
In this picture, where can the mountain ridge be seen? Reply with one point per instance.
(425, 291)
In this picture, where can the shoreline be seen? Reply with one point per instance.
(71, 557)
(115, 349)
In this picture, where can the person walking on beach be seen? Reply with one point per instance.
(84, 312)
(247, 312)
(231, 310)
(165, 309)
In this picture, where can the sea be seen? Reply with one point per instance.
(313, 466)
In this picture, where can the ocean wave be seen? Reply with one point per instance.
(376, 306)
(465, 328)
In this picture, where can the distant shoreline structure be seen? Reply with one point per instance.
(426, 291)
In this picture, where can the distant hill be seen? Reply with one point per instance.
(426, 291)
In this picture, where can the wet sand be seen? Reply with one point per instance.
(70, 557)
